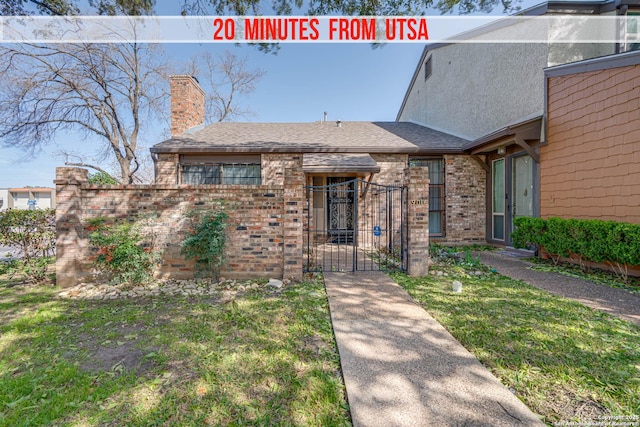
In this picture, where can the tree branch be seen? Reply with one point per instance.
(86, 165)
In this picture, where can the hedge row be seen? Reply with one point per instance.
(591, 239)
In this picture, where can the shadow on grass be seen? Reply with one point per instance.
(566, 361)
(263, 359)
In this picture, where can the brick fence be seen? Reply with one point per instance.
(266, 222)
(264, 239)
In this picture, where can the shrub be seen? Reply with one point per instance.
(615, 243)
(122, 253)
(102, 178)
(33, 232)
(206, 242)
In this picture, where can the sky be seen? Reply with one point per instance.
(350, 81)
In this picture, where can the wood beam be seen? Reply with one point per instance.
(530, 151)
(481, 162)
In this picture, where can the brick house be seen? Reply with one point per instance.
(327, 153)
(476, 142)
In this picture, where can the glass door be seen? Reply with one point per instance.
(497, 200)
(522, 186)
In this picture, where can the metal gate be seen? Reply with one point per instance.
(355, 225)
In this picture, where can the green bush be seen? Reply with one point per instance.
(122, 253)
(611, 242)
(206, 242)
(102, 178)
(33, 232)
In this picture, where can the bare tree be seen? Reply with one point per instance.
(224, 78)
(106, 90)
(110, 92)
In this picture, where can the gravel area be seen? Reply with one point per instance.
(225, 289)
(617, 302)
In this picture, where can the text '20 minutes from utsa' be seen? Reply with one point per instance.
(309, 29)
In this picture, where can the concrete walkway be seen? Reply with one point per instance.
(617, 302)
(402, 368)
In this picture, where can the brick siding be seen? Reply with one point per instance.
(590, 167)
(466, 204)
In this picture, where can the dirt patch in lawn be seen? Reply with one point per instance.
(116, 354)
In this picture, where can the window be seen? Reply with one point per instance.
(632, 33)
(222, 173)
(427, 68)
(436, 193)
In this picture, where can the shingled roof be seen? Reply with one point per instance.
(318, 137)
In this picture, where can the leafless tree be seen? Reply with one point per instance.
(106, 90)
(224, 78)
(109, 91)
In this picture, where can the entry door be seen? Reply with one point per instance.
(522, 189)
(340, 201)
(513, 194)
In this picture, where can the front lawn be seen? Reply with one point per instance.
(265, 358)
(567, 362)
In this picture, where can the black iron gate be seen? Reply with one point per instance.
(355, 225)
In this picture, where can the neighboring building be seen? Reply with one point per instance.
(4, 198)
(590, 163)
(27, 198)
(492, 95)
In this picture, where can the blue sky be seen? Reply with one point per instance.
(349, 81)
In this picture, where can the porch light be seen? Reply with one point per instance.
(502, 150)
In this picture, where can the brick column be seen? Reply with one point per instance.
(70, 247)
(418, 221)
(292, 220)
(167, 168)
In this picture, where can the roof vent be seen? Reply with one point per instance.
(339, 123)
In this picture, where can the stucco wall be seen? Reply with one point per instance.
(477, 88)
(590, 167)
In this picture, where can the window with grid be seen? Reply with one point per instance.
(222, 173)
(436, 193)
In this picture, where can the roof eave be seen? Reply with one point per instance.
(503, 133)
(284, 149)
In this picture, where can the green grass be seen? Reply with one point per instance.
(263, 359)
(567, 362)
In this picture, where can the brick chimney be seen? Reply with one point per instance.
(187, 103)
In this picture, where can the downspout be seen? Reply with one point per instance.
(154, 157)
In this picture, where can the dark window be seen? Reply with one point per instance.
(427, 68)
(436, 193)
(222, 173)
